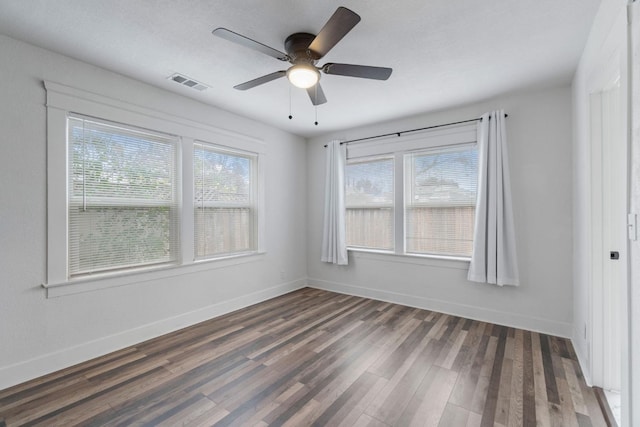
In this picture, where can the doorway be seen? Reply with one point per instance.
(609, 253)
(609, 211)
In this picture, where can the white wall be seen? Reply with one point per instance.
(539, 134)
(39, 334)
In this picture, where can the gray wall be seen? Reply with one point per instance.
(40, 334)
(539, 137)
(47, 334)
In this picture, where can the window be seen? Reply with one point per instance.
(122, 197)
(133, 195)
(369, 203)
(440, 199)
(224, 201)
(414, 194)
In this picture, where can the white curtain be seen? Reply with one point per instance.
(494, 257)
(334, 245)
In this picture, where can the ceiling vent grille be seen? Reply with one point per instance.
(188, 82)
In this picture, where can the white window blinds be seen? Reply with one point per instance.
(440, 198)
(369, 203)
(225, 217)
(123, 209)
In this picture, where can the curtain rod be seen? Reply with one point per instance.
(412, 130)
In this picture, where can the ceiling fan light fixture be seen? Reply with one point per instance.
(303, 75)
(304, 50)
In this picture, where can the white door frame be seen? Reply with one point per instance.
(631, 381)
(611, 69)
(608, 228)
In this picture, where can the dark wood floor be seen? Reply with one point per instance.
(318, 358)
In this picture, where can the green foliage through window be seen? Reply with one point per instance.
(123, 209)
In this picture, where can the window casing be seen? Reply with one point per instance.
(225, 216)
(434, 191)
(167, 200)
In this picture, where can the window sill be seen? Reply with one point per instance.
(111, 280)
(440, 261)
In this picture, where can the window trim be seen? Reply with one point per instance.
(398, 147)
(423, 260)
(434, 138)
(62, 100)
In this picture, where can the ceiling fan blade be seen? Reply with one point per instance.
(250, 43)
(316, 94)
(363, 71)
(341, 22)
(260, 80)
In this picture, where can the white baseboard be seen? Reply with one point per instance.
(42, 365)
(515, 320)
(45, 364)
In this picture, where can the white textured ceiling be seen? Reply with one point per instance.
(443, 52)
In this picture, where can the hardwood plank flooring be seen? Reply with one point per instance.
(319, 358)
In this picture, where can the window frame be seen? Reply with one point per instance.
(252, 204)
(62, 100)
(127, 202)
(397, 147)
(381, 206)
(409, 177)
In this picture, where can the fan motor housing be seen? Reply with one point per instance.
(297, 47)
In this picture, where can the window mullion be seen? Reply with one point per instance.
(187, 227)
(399, 225)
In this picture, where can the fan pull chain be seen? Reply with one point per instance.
(316, 104)
(290, 116)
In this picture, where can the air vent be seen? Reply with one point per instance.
(188, 82)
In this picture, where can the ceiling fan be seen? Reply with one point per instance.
(303, 52)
